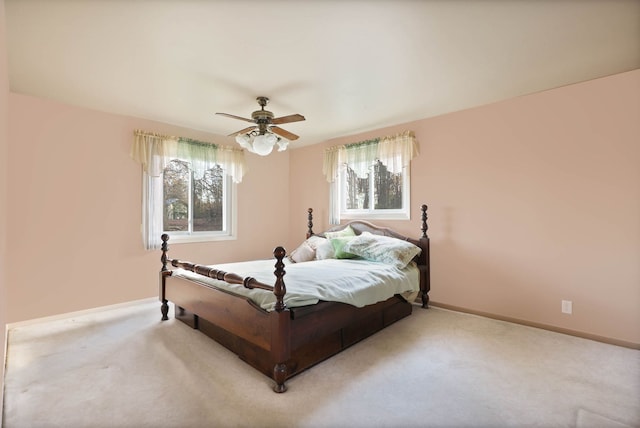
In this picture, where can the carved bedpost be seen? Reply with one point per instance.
(425, 227)
(164, 308)
(280, 375)
(426, 285)
(280, 325)
(310, 223)
(279, 289)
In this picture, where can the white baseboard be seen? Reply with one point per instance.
(76, 313)
(584, 335)
(3, 371)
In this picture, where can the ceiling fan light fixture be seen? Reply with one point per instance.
(271, 138)
(245, 141)
(263, 145)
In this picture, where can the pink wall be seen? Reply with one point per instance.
(532, 201)
(75, 207)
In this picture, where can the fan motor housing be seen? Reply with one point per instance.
(263, 116)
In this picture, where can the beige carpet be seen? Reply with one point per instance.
(125, 368)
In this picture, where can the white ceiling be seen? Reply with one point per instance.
(348, 66)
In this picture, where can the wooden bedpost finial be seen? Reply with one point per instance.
(424, 221)
(165, 248)
(279, 289)
(310, 223)
(164, 308)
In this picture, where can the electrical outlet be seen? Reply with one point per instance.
(567, 306)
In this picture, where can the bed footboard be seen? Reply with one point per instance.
(286, 341)
(232, 313)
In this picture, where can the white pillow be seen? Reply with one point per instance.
(384, 249)
(325, 251)
(307, 250)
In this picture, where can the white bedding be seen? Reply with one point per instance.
(355, 282)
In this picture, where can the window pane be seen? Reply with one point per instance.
(208, 201)
(387, 188)
(176, 197)
(357, 190)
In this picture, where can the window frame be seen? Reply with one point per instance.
(229, 231)
(338, 195)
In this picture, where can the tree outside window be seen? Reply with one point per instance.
(383, 187)
(377, 194)
(192, 204)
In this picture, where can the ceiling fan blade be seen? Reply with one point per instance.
(236, 117)
(287, 119)
(243, 131)
(283, 133)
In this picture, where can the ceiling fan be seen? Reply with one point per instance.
(264, 121)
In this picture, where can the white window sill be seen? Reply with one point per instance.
(374, 216)
(188, 239)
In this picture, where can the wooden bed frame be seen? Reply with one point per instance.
(286, 341)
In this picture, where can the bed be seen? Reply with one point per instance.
(280, 332)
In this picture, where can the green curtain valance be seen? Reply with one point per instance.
(155, 151)
(394, 151)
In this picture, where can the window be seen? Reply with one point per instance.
(370, 179)
(196, 208)
(188, 188)
(380, 193)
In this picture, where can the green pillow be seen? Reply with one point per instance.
(347, 231)
(338, 245)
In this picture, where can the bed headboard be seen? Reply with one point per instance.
(422, 260)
